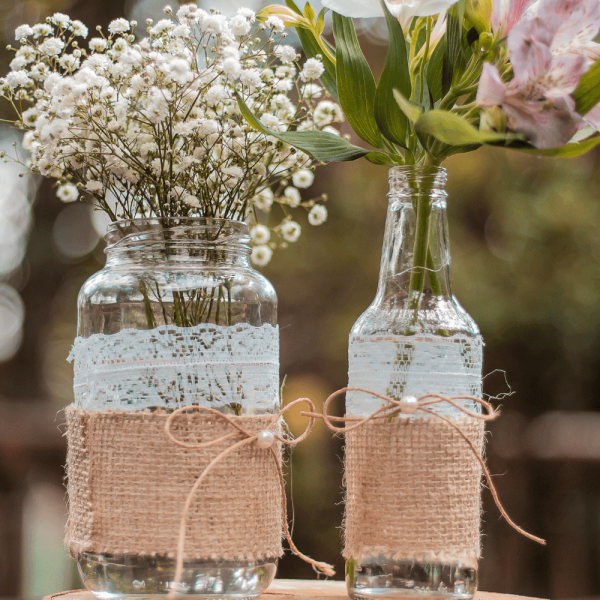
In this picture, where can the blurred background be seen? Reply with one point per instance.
(525, 237)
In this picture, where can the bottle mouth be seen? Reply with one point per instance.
(417, 177)
(199, 232)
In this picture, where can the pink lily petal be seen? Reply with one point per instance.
(529, 47)
(491, 90)
(581, 23)
(593, 117)
(564, 75)
(591, 50)
(544, 124)
(506, 13)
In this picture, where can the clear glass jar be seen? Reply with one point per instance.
(187, 279)
(414, 339)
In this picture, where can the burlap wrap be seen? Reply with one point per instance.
(413, 489)
(128, 483)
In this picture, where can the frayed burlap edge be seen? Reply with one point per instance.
(413, 490)
(127, 485)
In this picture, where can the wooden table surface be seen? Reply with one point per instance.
(291, 589)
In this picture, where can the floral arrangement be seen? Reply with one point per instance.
(153, 128)
(458, 75)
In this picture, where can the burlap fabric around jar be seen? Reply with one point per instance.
(127, 485)
(413, 489)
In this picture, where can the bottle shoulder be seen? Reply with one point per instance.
(441, 316)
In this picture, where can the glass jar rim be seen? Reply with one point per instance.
(220, 232)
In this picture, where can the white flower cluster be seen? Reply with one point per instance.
(156, 123)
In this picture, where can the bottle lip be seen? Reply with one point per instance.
(203, 232)
(408, 177)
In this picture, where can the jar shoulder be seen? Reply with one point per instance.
(111, 284)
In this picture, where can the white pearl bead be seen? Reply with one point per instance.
(409, 405)
(265, 439)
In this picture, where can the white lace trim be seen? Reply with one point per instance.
(401, 366)
(170, 366)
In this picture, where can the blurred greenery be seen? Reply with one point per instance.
(525, 237)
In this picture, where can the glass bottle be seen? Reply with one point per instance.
(414, 339)
(189, 279)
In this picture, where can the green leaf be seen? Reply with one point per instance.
(451, 129)
(291, 4)
(321, 20)
(382, 158)
(322, 146)
(410, 109)
(587, 94)
(453, 59)
(309, 12)
(434, 71)
(568, 151)
(396, 75)
(355, 83)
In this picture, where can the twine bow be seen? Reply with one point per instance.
(410, 405)
(263, 439)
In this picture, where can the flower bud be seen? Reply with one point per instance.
(493, 119)
(479, 13)
(486, 41)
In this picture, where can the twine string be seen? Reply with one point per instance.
(395, 407)
(250, 437)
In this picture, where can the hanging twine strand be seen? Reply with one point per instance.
(409, 405)
(265, 440)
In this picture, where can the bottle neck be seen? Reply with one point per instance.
(415, 262)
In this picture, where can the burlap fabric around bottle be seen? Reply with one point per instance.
(413, 490)
(127, 485)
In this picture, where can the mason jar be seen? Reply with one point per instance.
(177, 317)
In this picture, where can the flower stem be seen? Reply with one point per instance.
(422, 257)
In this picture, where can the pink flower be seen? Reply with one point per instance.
(550, 49)
(506, 13)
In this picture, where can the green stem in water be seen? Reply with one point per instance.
(422, 257)
(149, 314)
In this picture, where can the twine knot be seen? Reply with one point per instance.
(265, 440)
(410, 405)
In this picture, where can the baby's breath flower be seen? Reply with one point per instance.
(292, 196)
(247, 13)
(79, 29)
(240, 25)
(260, 234)
(41, 30)
(303, 179)
(191, 200)
(17, 78)
(276, 24)
(94, 186)
(313, 69)
(327, 112)
(263, 199)
(290, 231)
(287, 54)
(147, 120)
(52, 46)
(60, 19)
(119, 26)
(261, 255)
(23, 31)
(67, 192)
(317, 215)
(98, 44)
